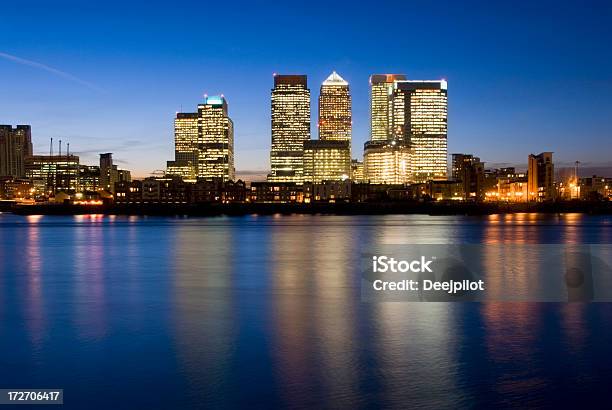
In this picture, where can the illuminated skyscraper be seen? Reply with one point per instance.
(215, 140)
(185, 162)
(329, 157)
(290, 128)
(335, 120)
(381, 105)
(419, 118)
(204, 142)
(15, 147)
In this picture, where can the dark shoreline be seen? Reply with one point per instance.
(359, 208)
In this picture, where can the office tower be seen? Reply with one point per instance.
(185, 162)
(215, 140)
(329, 158)
(540, 177)
(51, 174)
(381, 105)
(290, 128)
(387, 162)
(108, 172)
(89, 178)
(357, 173)
(469, 170)
(15, 147)
(335, 121)
(326, 160)
(419, 118)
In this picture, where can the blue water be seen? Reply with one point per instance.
(132, 312)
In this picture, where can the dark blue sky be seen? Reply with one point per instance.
(523, 76)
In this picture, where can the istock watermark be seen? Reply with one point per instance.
(487, 273)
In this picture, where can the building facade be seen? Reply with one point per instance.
(419, 118)
(15, 147)
(335, 118)
(215, 140)
(387, 162)
(186, 150)
(357, 174)
(381, 105)
(469, 170)
(204, 143)
(540, 176)
(326, 160)
(51, 174)
(290, 128)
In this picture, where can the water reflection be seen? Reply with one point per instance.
(267, 310)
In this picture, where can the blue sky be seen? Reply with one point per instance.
(523, 76)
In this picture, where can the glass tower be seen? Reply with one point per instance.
(335, 122)
(419, 119)
(215, 140)
(290, 128)
(381, 105)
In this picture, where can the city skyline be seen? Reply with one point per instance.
(118, 93)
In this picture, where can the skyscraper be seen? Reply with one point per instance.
(215, 140)
(185, 162)
(329, 157)
(335, 121)
(15, 147)
(381, 105)
(290, 128)
(540, 177)
(419, 118)
(204, 142)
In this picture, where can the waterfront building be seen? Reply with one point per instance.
(15, 147)
(89, 178)
(540, 174)
(328, 191)
(445, 190)
(469, 170)
(215, 140)
(387, 162)
(326, 160)
(419, 118)
(290, 100)
(15, 188)
(357, 173)
(186, 170)
(595, 188)
(186, 150)
(275, 192)
(505, 184)
(53, 173)
(108, 172)
(203, 143)
(335, 118)
(381, 105)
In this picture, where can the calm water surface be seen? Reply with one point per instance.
(130, 312)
